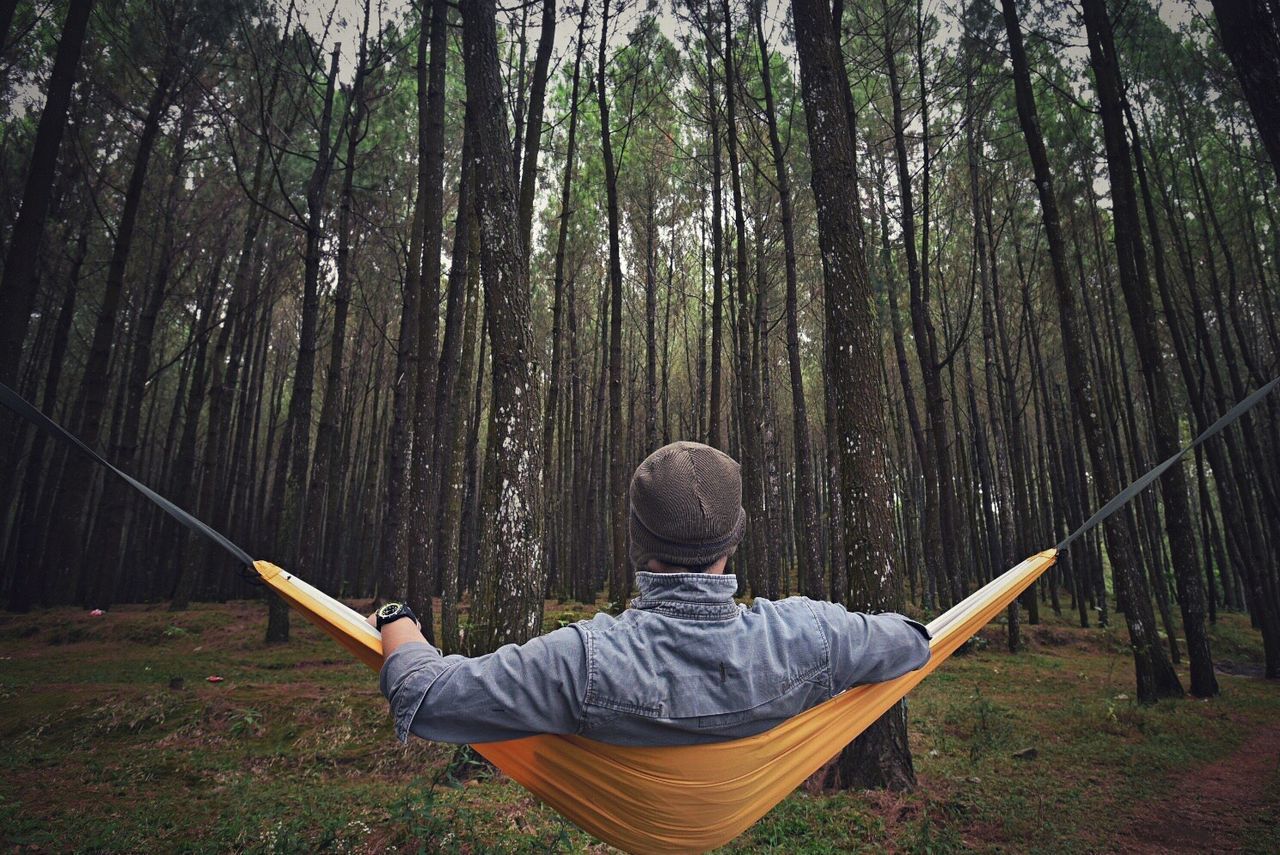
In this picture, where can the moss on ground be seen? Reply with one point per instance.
(293, 751)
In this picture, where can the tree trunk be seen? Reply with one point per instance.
(18, 288)
(1131, 255)
(881, 756)
(517, 578)
(717, 246)
(322, 490)
(288, 510)
(423, 500)
(562, 240)
(1155, 676)
(938, 465)
(1250, 31)
(109, 535)
(620, 569)
(533, 136)
(79, 475)
(457, 361)
(27, 582)
(809, 556)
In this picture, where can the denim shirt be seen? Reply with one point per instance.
(683, 665)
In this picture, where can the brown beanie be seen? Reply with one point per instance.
(686, 506)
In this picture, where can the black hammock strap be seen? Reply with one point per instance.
(1122, 498)
(21, 407)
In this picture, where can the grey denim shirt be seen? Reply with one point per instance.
(683, 665)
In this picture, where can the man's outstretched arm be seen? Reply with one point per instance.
(871, 648)
(516, 691)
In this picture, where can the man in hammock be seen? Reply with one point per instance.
(684, 664)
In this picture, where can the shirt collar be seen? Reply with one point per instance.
(695, 595)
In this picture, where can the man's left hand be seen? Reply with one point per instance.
(396, 633)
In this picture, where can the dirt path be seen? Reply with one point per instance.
(1211, 808)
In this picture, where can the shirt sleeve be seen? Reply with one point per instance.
(871, 648)
(518, 690)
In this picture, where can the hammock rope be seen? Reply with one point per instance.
(676, 798)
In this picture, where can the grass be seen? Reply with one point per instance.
(111, 740)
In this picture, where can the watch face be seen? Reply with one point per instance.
(389, 609)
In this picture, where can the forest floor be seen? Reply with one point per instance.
(293, 751)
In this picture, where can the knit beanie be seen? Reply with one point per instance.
(686, 506)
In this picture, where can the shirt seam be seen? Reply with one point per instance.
(826, 645)
(671, 608)
(588, 638)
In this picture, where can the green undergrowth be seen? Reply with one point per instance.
(112, 740)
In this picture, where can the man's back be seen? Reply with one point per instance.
(683, 665)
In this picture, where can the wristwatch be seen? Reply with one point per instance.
(393, 612)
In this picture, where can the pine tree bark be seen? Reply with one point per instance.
(621, 572)
(1250, 31)
(881, 756)
(322, 489)
(517, 578)
(808, 537)
(288, 510)
(1155, 676)
(1131, 256)
(423, 500)
(18, 288)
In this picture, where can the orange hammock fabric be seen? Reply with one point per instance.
(685, 798)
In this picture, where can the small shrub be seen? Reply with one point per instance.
(982, 724)
(928, 837)
(245, 722)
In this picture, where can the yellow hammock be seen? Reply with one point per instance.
(687, 798)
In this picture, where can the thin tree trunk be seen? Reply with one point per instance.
(809, 557)
(322, 490)
(620, 569)
(533, 136)
(289, 511)
(27, 582)
(18, 288)
(717, 245)
(940, 495)
(1155, 676)
(423, 500)
(79, 475)
(1250, 31)
(1131, 255)
(116, 494)
(562, 240)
